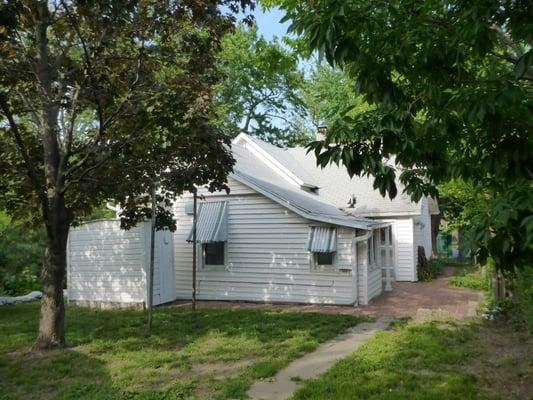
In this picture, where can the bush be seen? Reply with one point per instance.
(516, 310)
(19, 284)
(436, 265)
(21, 252)
(472, 278)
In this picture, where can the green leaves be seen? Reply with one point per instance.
(260, 89)
(524, 65)
(450, 89)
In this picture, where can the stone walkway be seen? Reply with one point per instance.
(283, 384)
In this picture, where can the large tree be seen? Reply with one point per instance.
(98, 101)
(327, 92)
(450, 92)
(260, 92)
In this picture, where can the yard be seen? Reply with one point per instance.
(216, 354)
(434, 360)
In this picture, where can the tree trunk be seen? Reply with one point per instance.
(52, 319)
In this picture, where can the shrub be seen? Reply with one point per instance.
(436, 265)
(21, 251)
(20, 283)
(473, 278)
(517, 309)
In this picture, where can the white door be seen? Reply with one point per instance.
(166, 267)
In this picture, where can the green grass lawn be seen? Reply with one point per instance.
(216, 354)
(432, 361)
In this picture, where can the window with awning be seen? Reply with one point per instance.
(322, 243)
(211, 233)
(211, 223)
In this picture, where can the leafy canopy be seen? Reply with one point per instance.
(260, 91)
(450, 90)
(101, 98)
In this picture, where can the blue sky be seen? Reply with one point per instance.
(268, 22)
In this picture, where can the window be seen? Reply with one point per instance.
(324, 258)
(370, 250)
(214, 253)
(373, 248)
(376, 246)
(323, 262)
(322, 244)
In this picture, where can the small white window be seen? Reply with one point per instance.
(213, 255)
(323, 261)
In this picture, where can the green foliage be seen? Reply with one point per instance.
(460, 203)
(473, 277)
(327, 93)
(516, 310)
(126, 100)
(260, 90)
(436, 265)
(450, 94)
(216, 353)
(21, 251)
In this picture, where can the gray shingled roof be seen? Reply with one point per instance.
(337, 187)
(249, 171)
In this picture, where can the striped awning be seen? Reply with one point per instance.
(211, 225)
(322, 240)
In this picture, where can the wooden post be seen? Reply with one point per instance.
(388, 258)
(194, 252)
(152, 258)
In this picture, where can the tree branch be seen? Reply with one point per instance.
(32, 173)
(89, 67)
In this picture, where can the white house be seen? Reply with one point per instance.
(288, 231)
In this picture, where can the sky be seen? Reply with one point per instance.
(268, 22)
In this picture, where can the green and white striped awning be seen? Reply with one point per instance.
(212, 223)
(322, 239)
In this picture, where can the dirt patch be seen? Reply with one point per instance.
(220, 370)
(506, 365)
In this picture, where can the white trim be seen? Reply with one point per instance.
(270, 161)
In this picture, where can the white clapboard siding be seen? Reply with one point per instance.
(375, 283)
(369, 281)
(267, 258)
(422, 229)
(109, 265)
(405, 267)
(106, 264)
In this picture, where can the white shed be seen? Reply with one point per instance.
(108, 266)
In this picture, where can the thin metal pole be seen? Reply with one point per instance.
(194, 252)
(152, 257)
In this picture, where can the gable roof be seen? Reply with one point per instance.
(277, 159)
(264, 180)
(335, 185)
